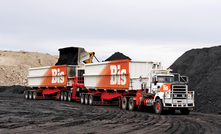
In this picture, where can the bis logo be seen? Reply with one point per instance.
(57, 76)
(118, 75)
(165, 87)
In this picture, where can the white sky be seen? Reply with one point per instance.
(143, 29)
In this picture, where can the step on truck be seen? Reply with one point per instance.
(126, 83)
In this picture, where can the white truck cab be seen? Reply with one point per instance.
(171, 91)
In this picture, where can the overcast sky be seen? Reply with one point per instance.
(144, 30)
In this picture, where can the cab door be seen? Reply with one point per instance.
(154, 84)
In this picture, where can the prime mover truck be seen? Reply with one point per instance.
(129, 84)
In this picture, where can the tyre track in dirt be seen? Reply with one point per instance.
(18, 115)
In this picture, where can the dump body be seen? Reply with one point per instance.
(52, 76)
(118, 75)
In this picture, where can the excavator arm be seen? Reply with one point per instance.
(92, 54)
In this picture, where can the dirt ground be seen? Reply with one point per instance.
(18, 115)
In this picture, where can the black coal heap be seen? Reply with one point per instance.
(203, 67)
(117, 56)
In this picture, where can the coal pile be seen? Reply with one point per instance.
(203, 67)
(117, 56)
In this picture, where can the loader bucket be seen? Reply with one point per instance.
(72, 56)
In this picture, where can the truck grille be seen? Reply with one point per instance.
(179, 91)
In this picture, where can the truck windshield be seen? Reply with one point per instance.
(165, 79)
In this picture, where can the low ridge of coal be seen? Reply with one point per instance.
(117, 56)
(203, 67)
(16, 89)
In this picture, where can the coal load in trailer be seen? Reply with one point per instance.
(72, 56)
(117, 56)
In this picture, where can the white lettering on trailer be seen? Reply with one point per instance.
(57, 76)
(117, 75)
(113, 72)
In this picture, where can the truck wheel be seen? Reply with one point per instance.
(30, 95)
(82, 98)
(91, 99)
(65, 96)
(69, 96)
(124, 103)
(26, 95)
(86, 99)
(158, 107)
(185, 111)
(132, 104)
(62, 96)
(34, 95)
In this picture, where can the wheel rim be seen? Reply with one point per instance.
(90, 100)
(34, 95)
(65, 96)
(82, 98)
(86, 99)
(69, 96)
(124, 104)
(26, 95)
(62, 96)
(131, 104)
(158, 106)
(30, 95)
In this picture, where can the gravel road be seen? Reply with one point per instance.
(18, 115)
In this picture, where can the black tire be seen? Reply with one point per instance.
(91, 99)
(65, 96)
(69, 96)
(30, 95)
(62, 96)
(124, 103)
(86, 99)
(158, 107)
(26, 95)
(34, 95)
(185, 111)
(82, 98)
(132, 104)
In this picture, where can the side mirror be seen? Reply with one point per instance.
(155, 82)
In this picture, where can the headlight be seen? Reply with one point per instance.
(189, 95)
(167, 95)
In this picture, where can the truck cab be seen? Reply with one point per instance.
(171, 92)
